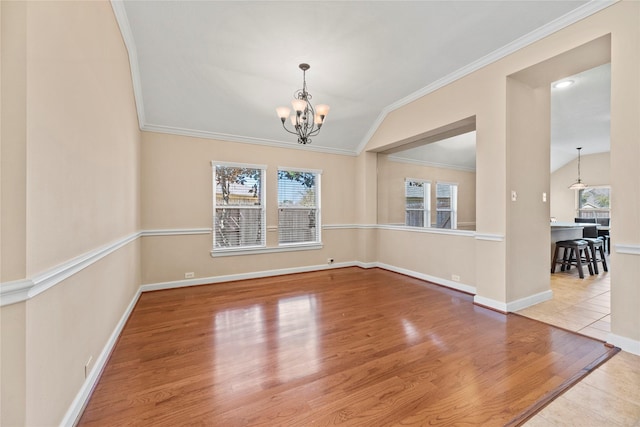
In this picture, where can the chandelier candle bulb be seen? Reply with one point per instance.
(322, 110)
(283, 113)
(299, 105)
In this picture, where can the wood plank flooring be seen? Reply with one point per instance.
(337, 347)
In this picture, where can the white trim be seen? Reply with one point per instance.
(215, 163)
(175, 231)
(529, 301)
(489, 237)
(433, 279)
(242, 276)
(366, 264)
(488, 302)
(125, 29)
(627, 249)
(260, 250)
(626, 344)
(22, 290)
(270, 273)
(575, 15)
(396, 159)
(348, 226)
(71, 417)
(304, 170)
(15, 291)
(431, 230)
(244, 139)
(558, 24)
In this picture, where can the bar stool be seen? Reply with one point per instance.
(596, 245)
(574, 251)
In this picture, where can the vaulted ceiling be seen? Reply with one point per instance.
(218, 69)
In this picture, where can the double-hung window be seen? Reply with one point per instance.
(446, 205)
(417, 194)
(594, 202)
(238, 206)
(298, 206)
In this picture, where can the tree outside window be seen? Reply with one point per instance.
(594, 202)
(298, 206)
(238, 206)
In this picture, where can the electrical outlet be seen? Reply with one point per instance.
(455, 277)
(329, 260)
(189, 275)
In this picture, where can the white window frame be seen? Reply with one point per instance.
(454, 204)
(426, 202)
(262, 207)
(318, 219)
(594, 211)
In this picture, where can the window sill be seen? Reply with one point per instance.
(256, 251)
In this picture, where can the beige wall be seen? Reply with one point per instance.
(594, 170)
(71, 142)
(13, 135)
(391, 190)
(177, 194)
(486, 95)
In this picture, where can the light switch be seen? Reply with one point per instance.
(514, 196)
(544, 197)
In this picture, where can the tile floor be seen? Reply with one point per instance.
(579, 305)
(610, 395)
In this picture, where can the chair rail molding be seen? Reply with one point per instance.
(22, 290)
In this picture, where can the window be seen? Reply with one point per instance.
(298, 206)
(417, 203)
(594, 202)
(446, 205)
(238, 206)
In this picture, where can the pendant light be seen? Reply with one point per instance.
(578, 185)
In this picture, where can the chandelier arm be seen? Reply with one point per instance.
(291, 132)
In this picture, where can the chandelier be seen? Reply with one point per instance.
(578, 185)
(306, 120)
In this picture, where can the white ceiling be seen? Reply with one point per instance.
(219, 68)
(581, 116)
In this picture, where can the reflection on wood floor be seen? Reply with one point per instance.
(346, 346)
(609, 396)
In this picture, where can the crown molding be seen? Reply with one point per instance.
(558, 24)
(129, 42)
(243, 139)
(120, 13)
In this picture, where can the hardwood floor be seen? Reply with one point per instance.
(347, 346)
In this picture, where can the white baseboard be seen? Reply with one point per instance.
(242, 276)
(529, 301)
(72, 416)
(490, 303)
(437, 280)
(626, 344)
